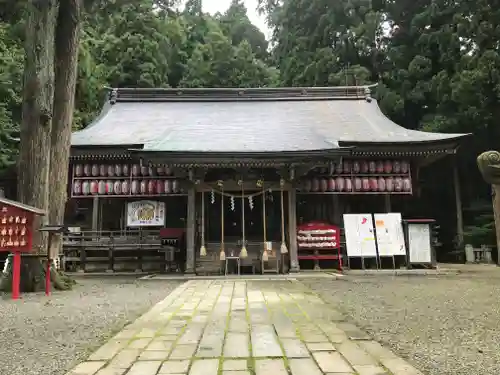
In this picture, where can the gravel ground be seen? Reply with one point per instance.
(40, 335)
(444, 325)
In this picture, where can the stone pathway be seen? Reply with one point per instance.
(217, 327)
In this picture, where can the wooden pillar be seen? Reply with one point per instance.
(190, 230)
(387, 203)
(292, 230)
(95, 214)
(458, 206)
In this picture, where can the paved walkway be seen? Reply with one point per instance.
(216, 327)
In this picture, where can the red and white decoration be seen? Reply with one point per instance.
(318, 235)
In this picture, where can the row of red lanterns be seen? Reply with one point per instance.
(150, 187)
(118, 170)
(365, 166)
(380, 184)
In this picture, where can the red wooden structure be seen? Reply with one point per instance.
(317, 241)
(16, 234)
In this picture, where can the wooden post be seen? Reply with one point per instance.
(16, 274)
(458, 206)
(190, 229)
(95, 214)
(292, 229)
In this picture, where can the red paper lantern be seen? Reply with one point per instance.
(125, 188)
(338, 168)
(307, 185)
(365, 168)
(372, 167)
(405, 166)
(95, 170)
(380, 167)
(396, 166)
(102, 170)
(151, 187)
(87, 170)
(331, 184)
(175, 186)
(389, 184)
(125, 169)
(78, 170)
(94, 187)
(373, 182)
(86, 188)
(144, 170)
(406, 184)
(388, 166)
(347, 167)
(77, 187)
(348, 184)
(323, 184)
(365, 184)
(381, 184)
(167, 187)
(398, 184)
(134, 188)
(117, 188)
(315, 185)
(168, 171)
(160, 187)
(143, 187)
(160, 170)
(356, 167)
(109, 187)
(135, 170)
(101, 187)
(111, 171)
(118, 170)
(340, 183)
(358, 184)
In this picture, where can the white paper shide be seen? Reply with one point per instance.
(145, 213)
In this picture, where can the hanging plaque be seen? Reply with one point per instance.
(145, 213)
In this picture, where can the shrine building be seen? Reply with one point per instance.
(222, 172)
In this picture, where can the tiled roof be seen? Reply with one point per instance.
(246, 120)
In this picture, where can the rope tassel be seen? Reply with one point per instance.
(283, 248)
(243, 252)
(203, 249)
(222, 248)
(265, 256)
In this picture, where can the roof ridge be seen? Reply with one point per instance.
(239, 94)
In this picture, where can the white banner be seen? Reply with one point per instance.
(390, 236)
(360, 237)
(145, 213)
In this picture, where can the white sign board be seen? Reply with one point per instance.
(145, 213)
(359, 234)
(419, 238)
(390, 235)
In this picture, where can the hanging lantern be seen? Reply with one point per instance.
(151, 187)
(134, 188)
(125, 187)
(347, 167)
(135, 170)
(109, 187)
(398, 184)
(111, 170)
(356, 167)
(151, 171)
(358, 184)
(364, 166)
(102, 170)
(87, 170)
(405, 166)
(379, 166)
(175, 186)
(340, 183)
(125, 169)
(78, 168)
(381, 184)
(387, 166)
(117, 188)
(365, 184)
(143, 188)
(331, 184)
(396, 166)
(339, 168)
(101, 189)
(144, 170)
(389, 184)
(323, 185)
(94, 187)
(348, 184)
(118, 170)
(167, 187)
(406, 184)
(77, 187)
(373, 184)
(308, 185)
(160, 170)
(372, 167)
(160, 187)
(86, 188)
(315, 185)
(168, 171)
(95, 170)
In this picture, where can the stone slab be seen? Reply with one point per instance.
(321, 347)
(264, 342)
(270, 366)
(144, 368)
(183, 351)
(370, 370)
(332, 362)
(303, 366)
(294, 348)
(204, 367)
(174, 367)
(125, 358)
(235, 365)
(355, 355)
(88, 368)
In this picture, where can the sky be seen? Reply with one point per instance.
(214, 6)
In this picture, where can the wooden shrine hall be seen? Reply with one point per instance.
(227, 180)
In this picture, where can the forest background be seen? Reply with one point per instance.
(437, 64)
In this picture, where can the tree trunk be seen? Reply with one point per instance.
(38, 96)
(67, 38)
